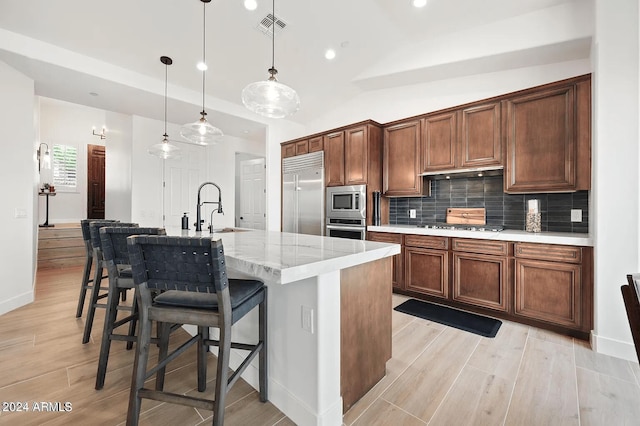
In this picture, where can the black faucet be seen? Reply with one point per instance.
(199, 205)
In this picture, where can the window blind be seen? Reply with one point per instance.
(65, 166)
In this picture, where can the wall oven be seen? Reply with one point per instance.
(346, 212)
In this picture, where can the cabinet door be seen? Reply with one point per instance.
(427, 271)
(400, 161)
(548, 291)
(356, 160)
(315, 144)
(334, 159)
(302, 147)
(481, 280)
(541, 142)
(288, 150)
(480, 136)
(439, 142)
(398, 259)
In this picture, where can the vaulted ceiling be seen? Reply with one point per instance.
(72, 48)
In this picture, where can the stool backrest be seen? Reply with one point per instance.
(632, 305)
(178, 263)
(113, 240)
(94, 229)
(86, 232)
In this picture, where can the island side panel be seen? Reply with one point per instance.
(365, 310)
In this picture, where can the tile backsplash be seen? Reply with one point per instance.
(508, 210)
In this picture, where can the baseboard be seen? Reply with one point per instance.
(613, 347)
(16, 302)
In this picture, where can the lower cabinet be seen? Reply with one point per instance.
(544, 285)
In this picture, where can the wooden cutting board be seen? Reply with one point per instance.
(471, 216)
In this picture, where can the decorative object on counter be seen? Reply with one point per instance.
(201, 131)
(164, 149)
(271, 98)
(185, 221)
(477, 324)
(467, 216)
(375, 219)
(533, 216)
(102, 135)
(44, 157)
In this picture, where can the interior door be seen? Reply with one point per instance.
(95, 181)
(182, 178)
(252, 194)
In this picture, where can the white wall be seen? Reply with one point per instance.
(615, 160)
(118, 166)
(68, 124)
(19, 173)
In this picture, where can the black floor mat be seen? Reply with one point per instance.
(484, 326)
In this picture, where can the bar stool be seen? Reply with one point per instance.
(116, 258)
(632, 306)
(86, 281)
(94, 227)
(198, 291)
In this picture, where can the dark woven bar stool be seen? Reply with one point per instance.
(632, 305)
(87, 282)
(116, 258)
(94, 227)
(198, 292)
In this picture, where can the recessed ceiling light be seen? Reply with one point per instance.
(250, 4)
(330, 54)
(202, 66)
(93, 93)
(418, 3)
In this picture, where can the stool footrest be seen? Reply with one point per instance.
(174, 398)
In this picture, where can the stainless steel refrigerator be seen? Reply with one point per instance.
(303, 194)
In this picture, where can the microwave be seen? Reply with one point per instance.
(345, 202)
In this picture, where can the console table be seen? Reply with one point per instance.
(46, 222)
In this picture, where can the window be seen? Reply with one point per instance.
(65, 167)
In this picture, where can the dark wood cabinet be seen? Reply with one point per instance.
(356, 156)
(288, 150)
(334, 159)
(481, 273)
(315, 144)
(401, 160)
(427, 265)
(439, 140)
(398, 259)
(302, 147)
(480, 136)
(547, 146)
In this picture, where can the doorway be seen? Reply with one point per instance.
(251, 198)
(95, 181)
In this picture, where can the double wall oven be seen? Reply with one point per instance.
(346, 212)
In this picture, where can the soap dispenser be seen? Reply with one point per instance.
(185, 221)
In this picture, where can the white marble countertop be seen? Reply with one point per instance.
(565, 238)
(282, 257)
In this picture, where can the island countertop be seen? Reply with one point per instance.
(282, 257)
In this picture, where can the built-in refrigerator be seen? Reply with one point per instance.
(303, 194)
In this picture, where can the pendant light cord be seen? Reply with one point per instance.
(273, 36)
(166, 76)
(204, 58)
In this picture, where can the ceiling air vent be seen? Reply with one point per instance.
(265, 26)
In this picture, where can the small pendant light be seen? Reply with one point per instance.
(202, 132)
(271, 98)
(164, 149)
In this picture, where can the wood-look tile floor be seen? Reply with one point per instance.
(437, 375)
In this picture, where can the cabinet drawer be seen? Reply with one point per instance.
(384, 237)
(426, 241)
(480, 246)
(551, 252)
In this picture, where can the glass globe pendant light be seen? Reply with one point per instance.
(201, 131)
(164, 149)
(271, 98)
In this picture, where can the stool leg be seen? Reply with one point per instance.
(262, 357)
(105, 346)
(139, 370)
(203, 350)
(134, 319)
(84, 285)
(95, 292)
(222, 376)
(164, 329)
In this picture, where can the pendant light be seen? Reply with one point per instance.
(271, 98)
(202, 132)
(164, 149)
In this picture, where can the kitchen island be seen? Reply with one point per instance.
(329, 316)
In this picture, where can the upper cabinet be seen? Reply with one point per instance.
(548, 140)
(401, 160)
(439, 140)
(334, 159)
(351, 155)
(479, 136)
